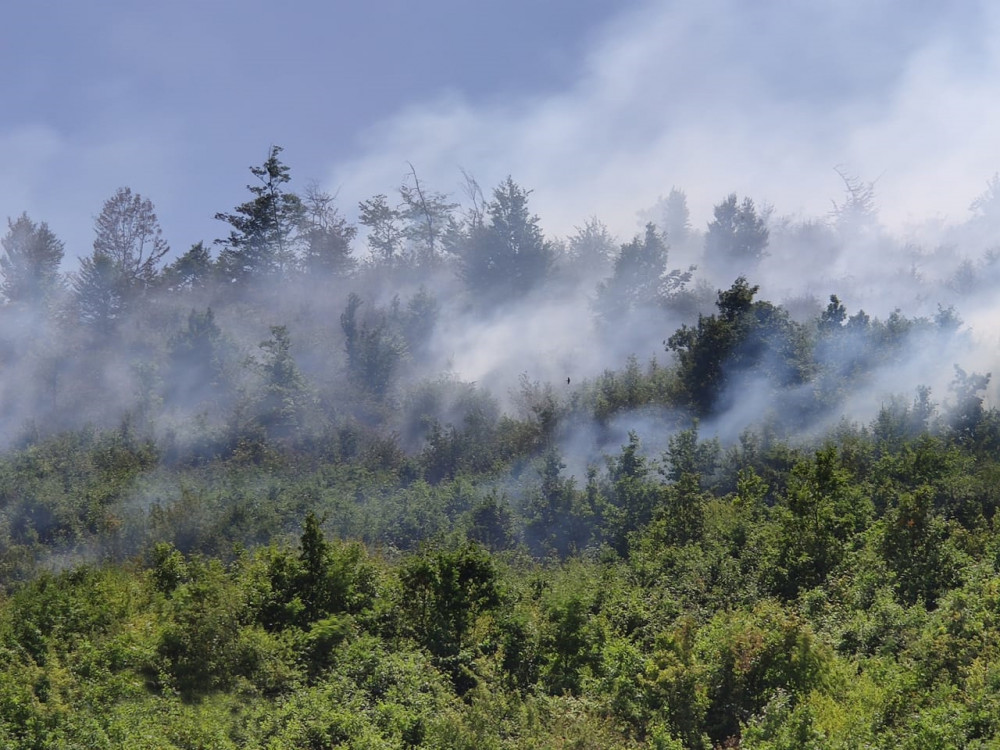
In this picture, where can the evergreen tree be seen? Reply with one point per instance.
(637, 276)
(264, 230)
(197, 361)
(374, 348)
(676, 218)
(283, 401)
(737, 237)
(190, 271)
(744, 336)
(30, 261)
(508, 255)
(98, 289)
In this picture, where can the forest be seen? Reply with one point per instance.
(435, 479)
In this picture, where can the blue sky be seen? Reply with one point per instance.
(598, 106)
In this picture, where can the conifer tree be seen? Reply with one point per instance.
(264, 232)
(30, 261)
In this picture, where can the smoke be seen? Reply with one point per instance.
(794, 107)
(764, 100)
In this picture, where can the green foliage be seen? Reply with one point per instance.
(443, 593)
(190, 272)
(558, 521)
(285, 395)
(374, 348)
(326, 237)
(279, 556)
(99, 290)
(638, 279)
(744, 338)
(385, 233)
(737, 236)
(30, 261)
(507, 256)
(128, 233)
(262, 240)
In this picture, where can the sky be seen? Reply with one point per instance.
(599, 107)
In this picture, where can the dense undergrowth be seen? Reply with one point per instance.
(765, 595)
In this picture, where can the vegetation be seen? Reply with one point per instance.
(245, 504)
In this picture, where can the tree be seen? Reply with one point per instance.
(443, 593)
(264, 229)
(676, 218)
(374, 349)
(128, 232)
(858, 214)
(558, 518)
(737, 236)
(508, 255)
(190, 271)
(30, 261)
(744, 336)
(427, 218)
(98, 291)
(326, 236)
(197, 360)
(283, 401)
(671, 216)
(385, 235)
(639, 279)
(967, 412)
(592, 248)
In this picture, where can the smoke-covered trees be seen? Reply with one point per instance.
(128, 248)
(30, 261)
(857, 214)
(737, 235)
(284, 395)
(592, 248)
(373, 346)
(412, 232)
(671, 216)
(128, 233)
(677, 592)
(197, 363)
(639, 278)
(508, 255)
(99, 292)
(744, 336)
(326, 236)
(264, 230)
(427, 219)
(385, 230)
(193, 270)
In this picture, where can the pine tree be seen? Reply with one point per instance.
(737, 237)
(284, 395)
(508, 255)
(30, 261)
(99, 292)
(190, 271)
(264, 232)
